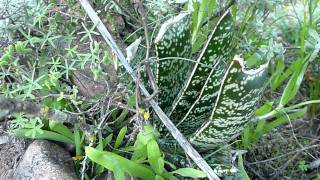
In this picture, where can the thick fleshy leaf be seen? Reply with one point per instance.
(190, 172)
(116, 162)
(200, 110)
(197, 97)
(236, 103)
(173, 44)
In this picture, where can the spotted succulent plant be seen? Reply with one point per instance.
(210, 99)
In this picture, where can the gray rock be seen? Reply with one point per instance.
(46, 161)
(11, 149)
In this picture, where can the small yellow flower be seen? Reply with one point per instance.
(146, 115)
(92, 138)
(140, 110)
(44, 111)
(77, 158)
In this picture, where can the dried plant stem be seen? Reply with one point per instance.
(194, 155)
(151, 77)
(10, 106)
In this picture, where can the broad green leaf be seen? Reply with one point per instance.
(61, 129)
(294, 83)
(140, 146)
(159, 177)
(173, 42)
(196, 98)
(201, 39)
(139, 151)
(194, 17)
(169, 176)
(283, 119)
(49, 135)
(107, 140)
(119, 174)
(132, 101)
(267, 107)
(154, 157)
(122, 117)
(211, 6)
(278, 76)
(246, 137)
(120, 137)
(259, 129)
(234, 10)
(205, 9)
(252, 133)
(190, 172)
(100, 147)
(242, 170)
(77, 140)
(253, 60)
(147, 134)
(237, 99)
(113, 161)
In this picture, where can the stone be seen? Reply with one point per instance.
(87, 86)
(45, 160)
(11, 149)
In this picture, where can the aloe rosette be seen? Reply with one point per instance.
(210, 99)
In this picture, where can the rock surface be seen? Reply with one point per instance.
(11, 149)
(45, 160)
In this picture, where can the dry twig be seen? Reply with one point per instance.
(282, 169)
(287, 154)
(10, 106)
(143, 14)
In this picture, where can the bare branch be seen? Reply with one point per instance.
(10, 106)
(194, 155)
(151, 77)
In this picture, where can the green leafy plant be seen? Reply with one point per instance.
(147, 161)
(302, 165)
(33, 128)
(209, 93)
(256, 130)
(295, 74)
(217, 98)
